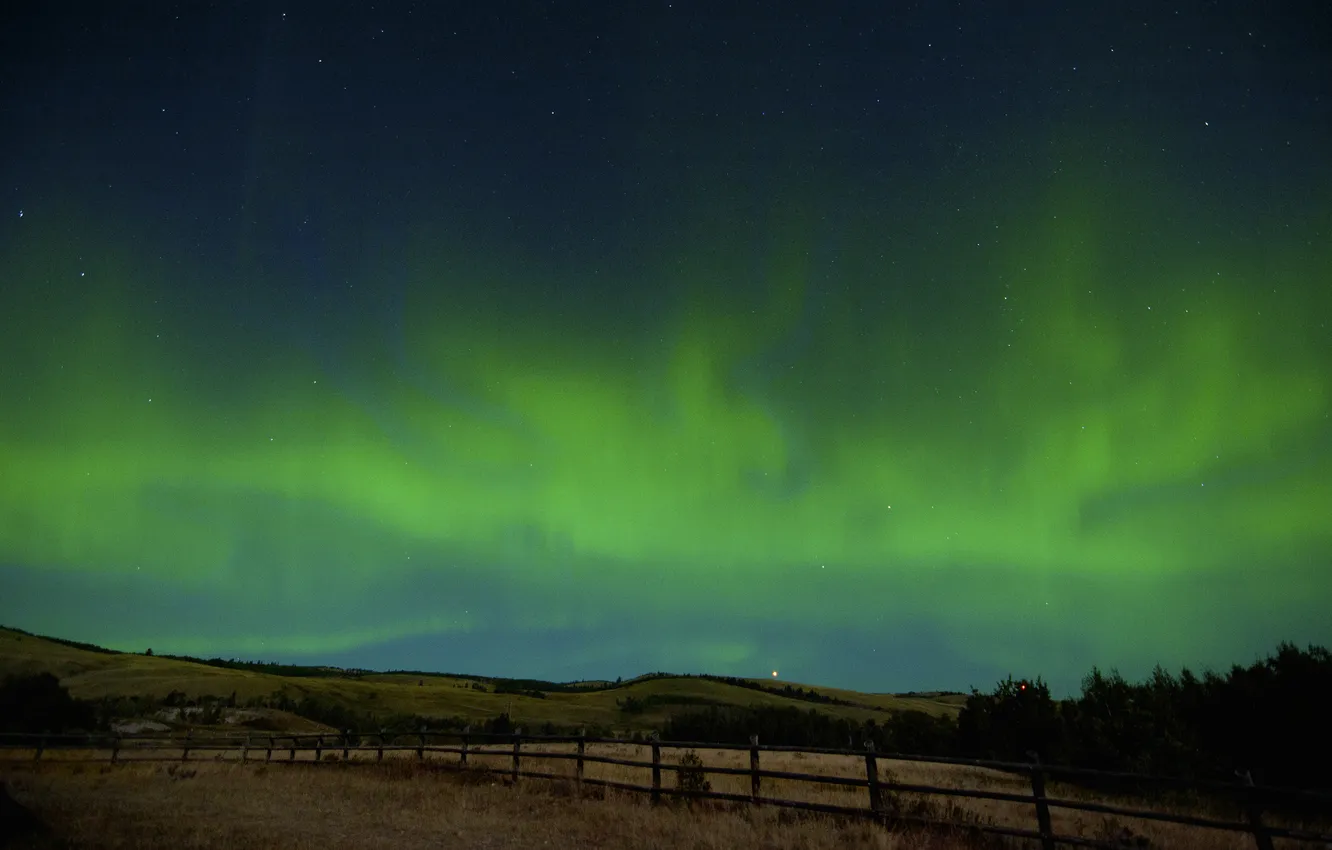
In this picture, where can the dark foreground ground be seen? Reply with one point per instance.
(218, 806)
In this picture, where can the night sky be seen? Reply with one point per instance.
(891, 346)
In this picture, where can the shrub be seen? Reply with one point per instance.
(40, 704)
(691, 776)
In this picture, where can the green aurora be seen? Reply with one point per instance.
(1102, 407)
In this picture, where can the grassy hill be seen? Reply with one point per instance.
(92, 673)
(930, 702)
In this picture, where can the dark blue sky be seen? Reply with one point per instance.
(579, 339)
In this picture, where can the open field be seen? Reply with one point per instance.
(90, 675)
(398, 806)
(403, 804)
(930, 703)
(68, 774)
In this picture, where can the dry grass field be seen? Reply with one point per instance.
(400, 806)
(935, 703)
(959, 809)
(214, 801)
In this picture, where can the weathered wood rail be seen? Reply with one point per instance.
(371, 747)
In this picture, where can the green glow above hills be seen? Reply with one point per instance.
(1091, 405)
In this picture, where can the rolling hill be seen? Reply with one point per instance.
(90, 672)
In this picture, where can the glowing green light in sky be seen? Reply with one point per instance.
(1084, 411)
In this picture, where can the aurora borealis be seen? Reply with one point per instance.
(890, 349)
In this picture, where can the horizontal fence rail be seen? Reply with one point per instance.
(283, 747)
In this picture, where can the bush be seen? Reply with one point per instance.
(209, 715)
(40, 704)
(691, 776)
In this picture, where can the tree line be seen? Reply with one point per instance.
(1269, 719)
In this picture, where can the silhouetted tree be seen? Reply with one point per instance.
(1018, 718)
(39, 703)
(1267, 718)
(918, 733)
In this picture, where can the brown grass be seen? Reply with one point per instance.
(216, 802)
(958, 809)
(399, 805)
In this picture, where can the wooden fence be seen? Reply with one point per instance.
(369, 748)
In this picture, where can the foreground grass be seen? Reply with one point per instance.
(402, 803)
(219, 805)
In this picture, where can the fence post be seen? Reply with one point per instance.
(41, 745)
(115, 749)
(1042, 808)
(319, 748)
(380, 756)
(185, 751)
(462, 757)
(346, 738)
(269, 755)
(872, 774)
(517, 742)
(1254, 809)
(753, 768)
(656, 771)
(245, 749)
(420, 750)
(292, 756)
(582, 749)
